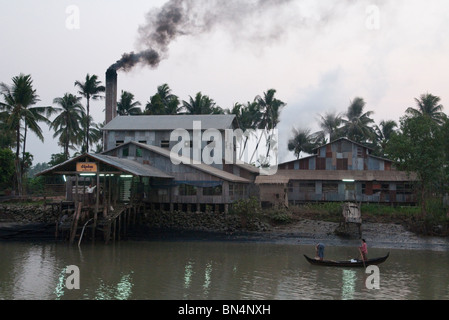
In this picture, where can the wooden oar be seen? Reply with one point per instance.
(362, 258)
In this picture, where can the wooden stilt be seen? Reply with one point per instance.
(114, 230)
(119, 226)
(75, 222)
(97, 204)
(108, 232)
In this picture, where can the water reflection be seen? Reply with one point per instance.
(124, 288)
(188, 274)
(207, 278)
(201, 270)
(60, 285)
(348, 286)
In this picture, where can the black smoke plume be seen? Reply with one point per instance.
(186, 17)
(247, 21)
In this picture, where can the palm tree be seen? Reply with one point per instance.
(127, 106)
(7, 137)
(163, 102)
(429, 105)
(32, 116)
(18, 98)
(302, 141)
(384, 131)
(329, 124)
(89, 89)
(270, 108)
(202, 104)
(357, 125)
(67, 123)
(95, 134)
(248, 117)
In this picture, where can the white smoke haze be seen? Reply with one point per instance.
(317, 54)
(330, 48)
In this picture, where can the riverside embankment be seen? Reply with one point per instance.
(37, 222)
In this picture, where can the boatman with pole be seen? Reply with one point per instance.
(319, 251)
(364, 250)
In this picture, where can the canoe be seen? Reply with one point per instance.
(348, 263)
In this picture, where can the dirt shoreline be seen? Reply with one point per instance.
(377, 235)
(302, 230)
(307, 232)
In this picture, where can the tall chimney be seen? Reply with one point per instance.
(111, 94)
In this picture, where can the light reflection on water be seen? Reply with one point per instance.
(212, 270)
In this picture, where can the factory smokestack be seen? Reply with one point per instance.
(111, 94)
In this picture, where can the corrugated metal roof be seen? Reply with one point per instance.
(346, 139)
(123, 165)
(203, 167)
(132, 167)
(171, 122)
(339, 175)
(274, 179)
(248, 167)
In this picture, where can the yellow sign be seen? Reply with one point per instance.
(86, 167)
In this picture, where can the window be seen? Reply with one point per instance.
(213, 191)
(143, 141)
(119, 142)
(187, 190)
(308, 187)
(139, 153)
(367, 188)
(238, 190)
(359, 152)
(330, 187)
(125, 152)
(165, 144)
(404, 188)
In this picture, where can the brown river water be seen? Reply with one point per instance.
(213, 270)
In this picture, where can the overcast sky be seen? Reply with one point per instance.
(318, 54)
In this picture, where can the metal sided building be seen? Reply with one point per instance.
(194, 186)
(344, 170)
(159, 130)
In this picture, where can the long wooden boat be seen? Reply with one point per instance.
(348, 263)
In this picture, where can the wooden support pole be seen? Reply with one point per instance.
(107, 232)
(114, 230)
(135, 214)
(97, 204)
(76, 188)
(109, 193)
(119, 226)
(75, 222)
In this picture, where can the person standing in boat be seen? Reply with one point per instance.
(364, 250)
(319, 251)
